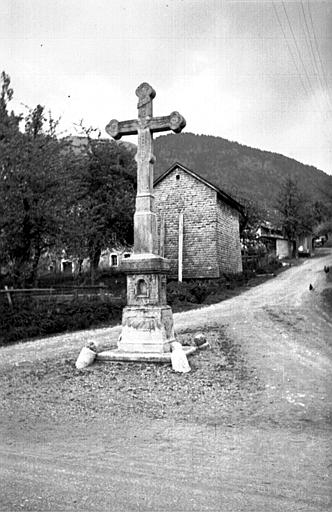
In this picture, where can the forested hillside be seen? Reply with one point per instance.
(240, 170)
(243, 172)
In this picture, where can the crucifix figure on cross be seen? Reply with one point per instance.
(145, 126)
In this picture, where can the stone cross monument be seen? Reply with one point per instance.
(147, 321)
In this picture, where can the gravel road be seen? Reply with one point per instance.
(249, 429)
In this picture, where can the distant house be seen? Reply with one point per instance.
(306, 245)
(198, 225)
(109, 259)
(276, 243)
(274, 240)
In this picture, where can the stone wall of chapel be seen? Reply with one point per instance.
(181, 191)
(228, 239)
(211, 240)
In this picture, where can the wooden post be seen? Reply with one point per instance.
(10, 302)
(162, 235)
(180, 255)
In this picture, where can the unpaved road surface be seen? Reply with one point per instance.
(250, 431)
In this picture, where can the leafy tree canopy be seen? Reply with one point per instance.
(298, 214)
(101, 213)
(55, 199)
(33, 168)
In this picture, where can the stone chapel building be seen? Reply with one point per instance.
(197, 224)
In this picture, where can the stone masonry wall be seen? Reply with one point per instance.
(179, 190)
(228, 239)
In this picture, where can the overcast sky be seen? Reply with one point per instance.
(256, 72)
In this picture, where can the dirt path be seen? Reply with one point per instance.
(284, 331)
(258, 441)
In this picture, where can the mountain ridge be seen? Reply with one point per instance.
(240, 170)
(243, 172)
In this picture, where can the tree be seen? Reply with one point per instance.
(296, 212)
(9, 122)
(33, 168)
(101, 213)
(251, 219)
(324, 228)
(321, 212)
(53, 199)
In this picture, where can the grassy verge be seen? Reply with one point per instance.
(327, 301)
(28, 319)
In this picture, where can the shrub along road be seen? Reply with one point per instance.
(248, 429)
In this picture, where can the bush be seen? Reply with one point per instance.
(32, 318)
(113, 279)
(260, 264)
(194, 291)
(54, 280)
(108, 277)
(268, 266)
(200, 289)
(179, 292)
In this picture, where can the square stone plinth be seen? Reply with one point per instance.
(146, 329)
(135, 357)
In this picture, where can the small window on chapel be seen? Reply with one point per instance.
(177, 176)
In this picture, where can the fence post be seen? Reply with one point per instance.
(10, 302)
(180, 248)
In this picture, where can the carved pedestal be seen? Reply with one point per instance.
(147, 321)
(146, 329)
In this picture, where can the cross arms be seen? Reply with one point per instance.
(174, 122)
(117, 129)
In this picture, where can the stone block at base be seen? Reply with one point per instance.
(152, 357)
(146, 329)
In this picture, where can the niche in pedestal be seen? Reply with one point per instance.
(142, 289)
